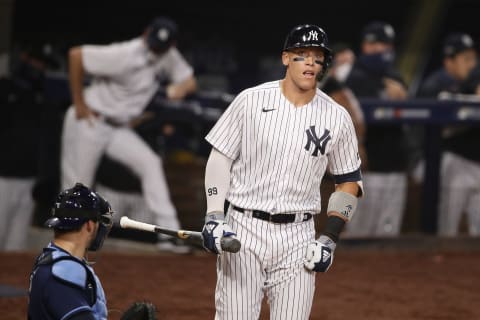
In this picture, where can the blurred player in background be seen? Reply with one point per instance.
(460, 164)
(21, 101)
(125, 77)
(343, 60)
(374, 76)
(334, 85)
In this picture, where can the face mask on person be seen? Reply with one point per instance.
(342, 71)
(104, 227)
(378, 62)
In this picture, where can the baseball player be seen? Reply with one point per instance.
(270, 151)
(125, 76)
(460, 165)
(373, 76)
(62, 283)
(20, 114)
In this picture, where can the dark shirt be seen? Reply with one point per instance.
(62, 286)
(464, 142)
(20, 111)
(437, 82)
(385, 144)
(332, 85)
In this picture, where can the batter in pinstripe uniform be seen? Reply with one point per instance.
(270, 151)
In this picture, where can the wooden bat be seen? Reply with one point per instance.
(228, 244)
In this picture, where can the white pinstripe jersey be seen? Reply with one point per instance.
(280, 151)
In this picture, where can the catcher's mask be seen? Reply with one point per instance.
(309, 35)
(73, 207)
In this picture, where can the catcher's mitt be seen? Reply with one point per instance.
(140, 311)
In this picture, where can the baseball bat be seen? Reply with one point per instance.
(228, 244)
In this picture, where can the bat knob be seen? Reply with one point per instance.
(230, 244)
(124, 221)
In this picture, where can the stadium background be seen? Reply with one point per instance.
(232, 47)
(245, 33)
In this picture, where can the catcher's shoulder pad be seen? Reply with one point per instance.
(70, 271)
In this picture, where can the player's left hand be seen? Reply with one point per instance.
(319, 255)
(213, 232)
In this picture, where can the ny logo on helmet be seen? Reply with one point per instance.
(312, 35)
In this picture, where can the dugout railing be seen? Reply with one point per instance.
(433, 115)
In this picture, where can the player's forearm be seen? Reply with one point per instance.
(181, 90)
(76, 75)
(217, 180)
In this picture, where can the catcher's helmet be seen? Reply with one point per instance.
(309, 35)
(73, 207)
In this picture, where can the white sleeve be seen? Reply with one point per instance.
(177, 67)
(226, 135)
(217, 180)
(107, 60)
(344, 158)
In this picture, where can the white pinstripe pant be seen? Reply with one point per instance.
(84, 144)
(131, 204)
(270, 261)
(460, 192)
(380, 213)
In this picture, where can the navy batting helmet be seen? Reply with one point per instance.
(309, 35)
(73, 207)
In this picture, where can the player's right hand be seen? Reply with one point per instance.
(319, 255)
(82, 111)
(213, 231)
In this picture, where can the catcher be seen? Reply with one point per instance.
(63, 285)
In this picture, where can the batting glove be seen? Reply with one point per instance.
(213, 231)
(319, 255)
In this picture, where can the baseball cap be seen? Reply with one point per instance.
(162, 33)
(378, 31)
(455, 43)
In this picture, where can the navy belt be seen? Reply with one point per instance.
(110, 121)
(113, 123)
(275, 218)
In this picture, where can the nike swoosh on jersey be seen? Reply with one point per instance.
(267, 110)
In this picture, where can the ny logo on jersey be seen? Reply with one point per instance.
(312, 35)
(320, 143)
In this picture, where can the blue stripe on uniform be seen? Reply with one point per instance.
(348, 177)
